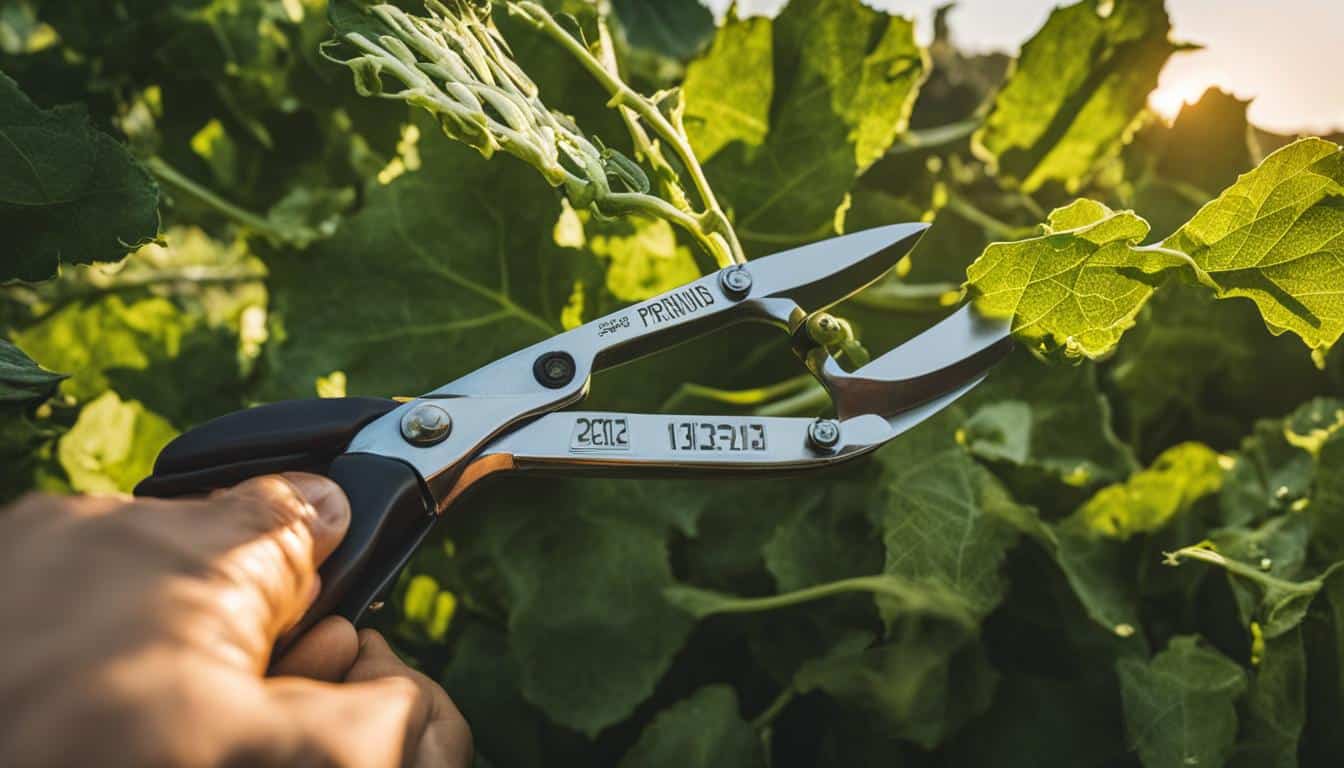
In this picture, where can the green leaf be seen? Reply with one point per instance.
(148, 349)
(1275, 710)
(641, 256)
(1180, 478)
(473, 277)
(564, 566)
(1195, 368)
(1276, 237)
(1273, 470)
(845, 79)
(484, 678)
(1086, 726)
(722, 107)
(1058, 422)
(923, 685)
(1075, 91)
(945, 520)
(1261, 563)
(1208, 144)
(22, 381)
(69, 194)
(676, 28)
(112, 445)
(705, 729)
(1326, 508)
(1180, 707)
(1079, 286)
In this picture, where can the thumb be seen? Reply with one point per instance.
(269, 535)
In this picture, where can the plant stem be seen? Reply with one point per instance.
(992, 225)
(878, 585)
(811, 400)
(623, 95)
(781, 702)
(657, 207)
(644, 146)
(244, 218)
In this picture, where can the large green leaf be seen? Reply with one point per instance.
(1076, 89)
(443, 288)
(1077, 287)
(1209, 143)
(703, 731)
(1276, 237)
(1059, 423)
(723, 107)
(922, 685)
(845, 78)
(22, 381)
(69, 194)
(945, 520)
(1180, 707)
(1276, 707)
(112, 445)
(677, 28)
(582, 578)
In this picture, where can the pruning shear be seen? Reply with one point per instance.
(404, 464)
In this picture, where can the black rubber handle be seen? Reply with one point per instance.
(391, 511)
(389, 517)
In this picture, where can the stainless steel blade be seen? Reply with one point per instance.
(822, 274)
(960, 349)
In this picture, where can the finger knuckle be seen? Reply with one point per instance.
(272, 503)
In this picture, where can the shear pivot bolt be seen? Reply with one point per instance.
(554, 369)
(426, 425)
(823, 435)
(735, 282)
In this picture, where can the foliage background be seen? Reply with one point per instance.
(991, 589)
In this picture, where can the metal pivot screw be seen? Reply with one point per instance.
(376, 606)
(824, 435)
(554, 369)
(426, 424)
(735, 282)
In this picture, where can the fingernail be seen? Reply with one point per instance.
(324, 495)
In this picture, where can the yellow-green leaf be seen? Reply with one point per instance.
(1077, 287)
(1076, 90)
(1178, 479)
(1276, 237)
(112, 445)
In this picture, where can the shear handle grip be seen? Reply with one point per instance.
(390, 511)
(389, 516)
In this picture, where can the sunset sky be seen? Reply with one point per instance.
(1288, 54)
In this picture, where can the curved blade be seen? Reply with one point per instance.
(961, 348)
(822, 274)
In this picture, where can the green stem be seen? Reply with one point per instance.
(1244, 570)
(644, 146)
(879, 585)
(657, 207)
(809, 401)
(243, 218)
(902, 297)
(992, 225)
(623, 95)
(742, 397)
(935, 138)
(777, 707)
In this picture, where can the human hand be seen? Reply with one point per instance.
(139, 632)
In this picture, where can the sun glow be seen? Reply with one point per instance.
(1168, 98)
